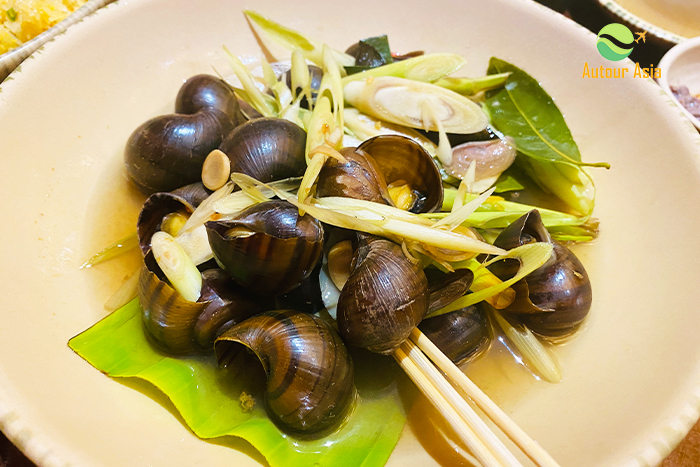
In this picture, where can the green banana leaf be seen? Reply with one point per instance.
(547, 151)
(207, 397)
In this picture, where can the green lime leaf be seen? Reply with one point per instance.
(207, 397)
(547, 152)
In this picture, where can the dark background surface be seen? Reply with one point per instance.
(591, 15)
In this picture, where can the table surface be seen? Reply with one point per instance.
(687, 454)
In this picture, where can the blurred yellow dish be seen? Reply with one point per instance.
(21, 20)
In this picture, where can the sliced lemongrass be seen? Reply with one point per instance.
(301, 76)
(177, 266)
(531, 257)
(483, 279)
(364, 127)
(331, 86)
(117, 248)
(400, 101)
(471, 86)
(470, 178)
(327, 150)
(283, 95)
(293, 40)
(268, 74)
(234, 203)
(383, 210)
(456, 218)
(173, 223)
(205, 210)
(425, 68)
(371, 222)
(216, 170)
(531, 349)
(310, 176)
(320, 125)
(124, 294)
(195, 243)
(459, 199)
(254, 95)
(430, 119)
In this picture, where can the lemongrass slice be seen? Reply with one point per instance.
(426, 68)
(124, 294)
(532, 350)
(206, 209)
(293, 40)
(254, 96)
(400, 101)
(471, 86)
(195, 243)
(531, 257)
(459, 216)
(117, 248)
(483, 279)
(177, 266)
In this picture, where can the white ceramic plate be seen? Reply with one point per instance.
(630, 388)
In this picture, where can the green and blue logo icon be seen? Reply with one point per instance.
(615, 42)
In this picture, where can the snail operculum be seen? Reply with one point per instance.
(385, 297)
(554, 299)
(310, 385)
(267, 248)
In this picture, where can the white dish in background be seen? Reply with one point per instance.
(12, 59)
(631, 379)
(681, 67)
(679, 17)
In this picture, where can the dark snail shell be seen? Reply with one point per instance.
(554, 299)
(309, 371)
(154, 210)
(462, 334)
(358, 177)
(385, 297)
(401, 158)
(267, 248)
(194, 193)
(267, 149)
(167, 152)
(181, 327)
(365, 55)
(446, 288)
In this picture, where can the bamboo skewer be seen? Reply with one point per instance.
(472, 419)
(472, 441)
(516, 434)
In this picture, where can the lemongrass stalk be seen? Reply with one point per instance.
(332, 87)
(459, 199)
(124, 294)
(301, 76)
(293, 40)
(195, 243)
(117, 248)
(531, 257)
(400, 101)
(364, 127)
(531, 349)
(205, 210)
(456, 218)
(177, 266)
(425, 68)
(254, 97)
(471, 86)
(320, 125)
(430, 119)
(496, 212)
(269, 75)
(483, 279)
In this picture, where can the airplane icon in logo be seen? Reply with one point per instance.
(642, 36)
